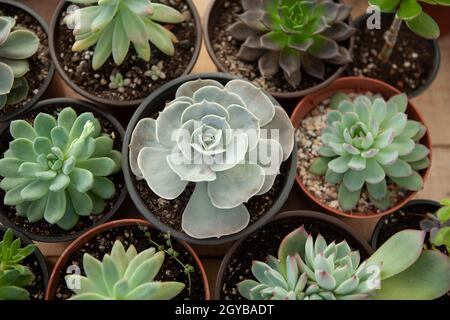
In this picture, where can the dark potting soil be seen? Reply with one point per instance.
(42, 227)
(135, 235)
(78, 65)
(170, 212)
(226, 49)
(37, 287)
(39, 63)
(266, 241)
(410, 65)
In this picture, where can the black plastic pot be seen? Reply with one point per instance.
(320, 221)
(155, 103)
(51, 71)
(132, 103)
(418, 208)
(437, 60)
(211, 17)
(79, 106)
(37, 253)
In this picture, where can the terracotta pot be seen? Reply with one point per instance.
(211, 17)
(51, 70)
(300, 217)
(357, 85)
(131, 103)
(79, 243)
(79, 106)
(441, 14)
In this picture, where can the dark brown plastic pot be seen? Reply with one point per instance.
(417, 207)
(301, 218)
(51, 70)
(359, 22)
(130, 103)
(37, 253)
(211, 18)
(92, 233)
(79, 106)
(357, 85)
(155, 103)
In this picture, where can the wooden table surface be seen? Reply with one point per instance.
(434, 105)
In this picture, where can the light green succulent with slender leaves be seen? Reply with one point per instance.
(57, 168)
(14, 276)
(293, 35)
(312, 269)
(368, 141)
(112, 25)
(16, 46)
(123, 275)
(438, 225)
(220, 138)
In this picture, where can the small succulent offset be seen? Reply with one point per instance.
(118, 82)
(411, 12)
(438, 225)
(292, 35)
(218, 137)
(312, 269)
(57, 169)
(16, 46)
(14, 277)
(123, 275)
(112, 25)
(156, 72)
(367, 141)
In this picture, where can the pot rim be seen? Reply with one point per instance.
(51, 69)
(308, 214)
(102, 101)
(381, 222)
(212, 9)
(142, 208)
(349, 83)
(437, 59)
(122, 193)
(42, 261)
(88, 235)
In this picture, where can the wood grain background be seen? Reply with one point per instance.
(434, 105)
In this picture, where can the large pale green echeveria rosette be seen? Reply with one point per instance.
(112, 26)
(293, 35)
(123, 275)
(213, 136)
(57, 169)
(16, 45)
(368, 141)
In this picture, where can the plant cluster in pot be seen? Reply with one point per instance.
(23, 269)
(209, 158)
(289, 48)
(118, 52)
(396, 43)
(61, 170)
(25, 66)
(364, 150)
(305, 265)
(128, 260)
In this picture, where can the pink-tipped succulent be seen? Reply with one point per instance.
(293, 35)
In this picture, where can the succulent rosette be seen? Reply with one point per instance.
(228, 140)
(293, 35)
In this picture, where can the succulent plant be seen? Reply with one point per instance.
(438, 225)
(118, 82)
(123, 275)
(112, 25)
(16, 46)
(57, 169)
(409, 11)
(230, 141)
(308, 269)
(293, 35)
(14, 277)
(156, 72)
(366, 142)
